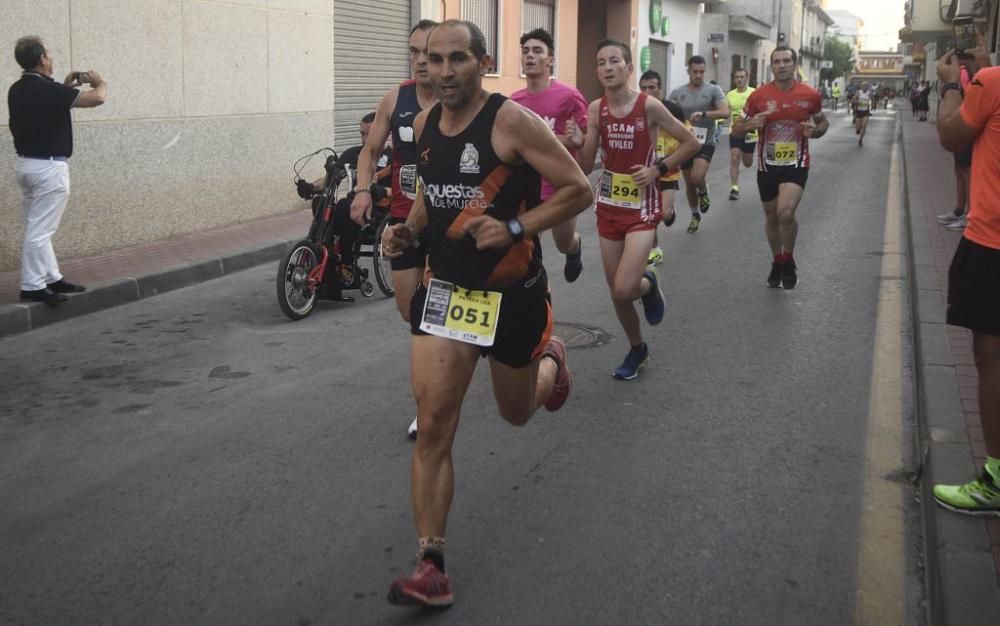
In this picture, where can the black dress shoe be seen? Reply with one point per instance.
(43, 295)
(61, 286)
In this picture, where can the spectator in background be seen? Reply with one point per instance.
(955, 220)
(915, 97)
(924, 100)
(43, 138)
(974, 276)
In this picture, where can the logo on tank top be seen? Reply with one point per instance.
(406, 134)
(468, 163)
(621, 136)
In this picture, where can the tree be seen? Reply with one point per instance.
(842, 55)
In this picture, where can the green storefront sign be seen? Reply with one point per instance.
(664, 26)
(655, 15)
(644, 58)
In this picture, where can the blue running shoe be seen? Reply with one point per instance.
(635, 359)
(652, 302)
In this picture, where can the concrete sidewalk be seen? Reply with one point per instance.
(141, 271)
(963, 552)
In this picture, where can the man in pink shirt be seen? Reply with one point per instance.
(555, 103)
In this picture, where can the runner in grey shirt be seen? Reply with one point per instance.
(703, 104)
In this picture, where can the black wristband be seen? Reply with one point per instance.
(516, 229)
(945, 88)
(662, 166)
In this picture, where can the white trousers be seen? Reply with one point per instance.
(44, 193)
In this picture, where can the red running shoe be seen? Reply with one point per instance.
(426, 586)
(556, 350)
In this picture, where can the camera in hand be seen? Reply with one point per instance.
(965, 36)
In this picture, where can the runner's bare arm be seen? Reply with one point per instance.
(519, 136)
(660, 118)
(817, 128)
(361, 206)
(587, 153)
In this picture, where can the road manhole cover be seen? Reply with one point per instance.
(580, 335)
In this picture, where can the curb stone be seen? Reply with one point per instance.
(23, 317)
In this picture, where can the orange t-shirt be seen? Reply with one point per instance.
(981, 110)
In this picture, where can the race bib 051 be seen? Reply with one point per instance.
(463, 315)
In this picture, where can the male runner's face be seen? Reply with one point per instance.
(650, 87)
(418, 56)
(782, 65)
(612, 70)
(696, 73)
(454, 70)
(365, 129)
(536, 60)
(740, 80)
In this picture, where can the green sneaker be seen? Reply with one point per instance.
(655, 256)
(695, 223)
(976, 497)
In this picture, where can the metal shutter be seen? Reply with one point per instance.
(659, 60)
(371, 55)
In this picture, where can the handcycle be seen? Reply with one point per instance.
(314, 268)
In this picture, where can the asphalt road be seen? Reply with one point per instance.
(196, 458)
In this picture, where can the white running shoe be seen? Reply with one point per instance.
(948, 218)
(958, 225)
(411, 432)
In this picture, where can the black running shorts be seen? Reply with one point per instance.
(669, 184)
(524, 327)
(740, 143)
(707, 152)
(769, 180)
(414, 257)
(974, 288)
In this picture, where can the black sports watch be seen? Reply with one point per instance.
(662, 166)
(516, 229)
(945, 88)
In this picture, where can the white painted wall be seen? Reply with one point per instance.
(685, 28)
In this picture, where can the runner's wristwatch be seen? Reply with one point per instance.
(516, 229)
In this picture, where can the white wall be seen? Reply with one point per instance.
(685, 28)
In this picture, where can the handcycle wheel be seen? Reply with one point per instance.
(296, 296)
(381, 263)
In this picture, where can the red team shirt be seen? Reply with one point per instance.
(781, 142)
(626, 142)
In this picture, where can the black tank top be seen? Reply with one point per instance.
(404, 149)
(461, 177)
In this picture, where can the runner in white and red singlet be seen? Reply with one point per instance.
(626, 123)
(787, 113)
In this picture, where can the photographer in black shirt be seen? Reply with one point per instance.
(43, 138)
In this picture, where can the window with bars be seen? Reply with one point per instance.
(540, 14)
(486, 15)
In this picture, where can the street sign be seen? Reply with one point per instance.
(716, 37)
(826, 65)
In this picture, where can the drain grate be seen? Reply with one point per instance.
(580, 335)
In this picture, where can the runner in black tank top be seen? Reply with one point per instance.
(461, 177)
(479, 163)
(404, 149)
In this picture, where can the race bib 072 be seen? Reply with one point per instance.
(781, 153)
(461, 314)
